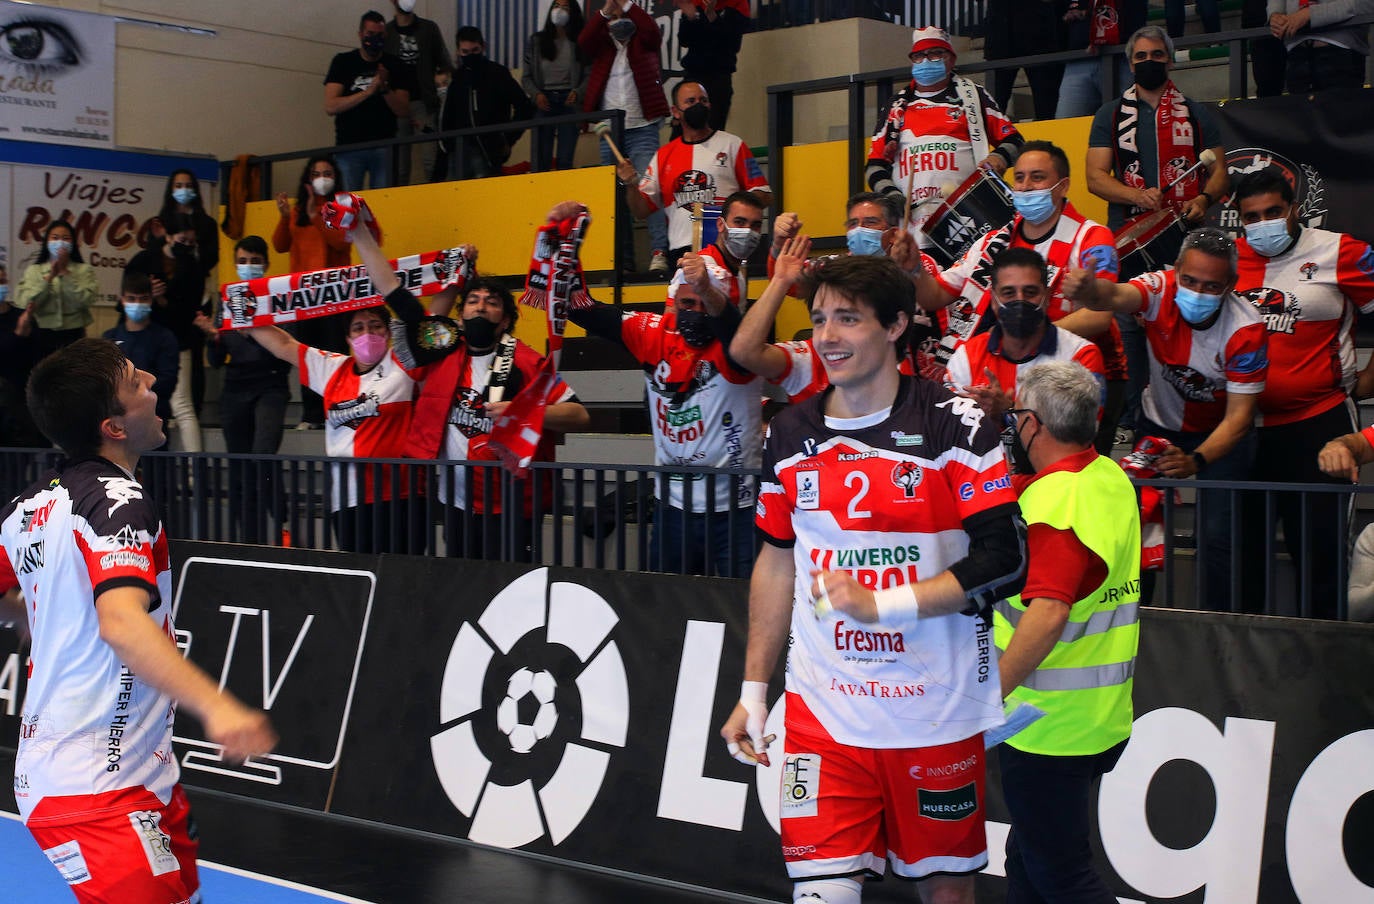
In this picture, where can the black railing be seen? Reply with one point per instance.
(595, 516)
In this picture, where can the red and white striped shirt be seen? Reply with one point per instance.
(984, 352)
(366, 416)
(709, 171)
(1307, 297)
(1192, 370)
(1075, 241)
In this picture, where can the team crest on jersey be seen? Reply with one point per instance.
(906, 476)
(1279, 310)
(1309, 270)
(1190, 384)
(808, 491)
(1309, 194)
(120, 490)
(694, 187)
(469, 413)
(702, 374)
(353, 412)
(722, 159)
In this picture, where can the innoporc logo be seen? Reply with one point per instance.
(533, 702)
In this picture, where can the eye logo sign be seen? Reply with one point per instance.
(534, 699)
(39, 46)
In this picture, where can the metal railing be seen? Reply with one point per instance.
(595, 516)
(884, 82)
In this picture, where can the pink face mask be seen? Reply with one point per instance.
(369, 348)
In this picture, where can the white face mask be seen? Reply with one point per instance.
(559, 17)
(405, 6)
(323, 185)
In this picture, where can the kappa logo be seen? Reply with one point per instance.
(120, 491)
(966, 410)
(534, 768)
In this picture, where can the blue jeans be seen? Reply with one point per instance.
(1080, 91)
(355, 164)
(1049, 855)
(687, 542)
(639, 147)
(565, 136)
(1137, 369)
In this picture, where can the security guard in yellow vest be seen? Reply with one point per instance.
(1068, 642)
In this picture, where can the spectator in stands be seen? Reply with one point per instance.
(1091, 25)
(366, 90)
(1267, 56)
(1209, 11)
(711, 32)
(1137, 148)
(1309, 286)
(16, 360)
(1208, 363)
(704, 165)
(937, 107)
(741, 218)
(554, 75)
(151, 346)
(1048, 224)
(1068, 640)
(705, 413)
(1322, 51)
(420, 46)
(177, 275)
(1017, 28)
(301, 232)
(622, 41)
(482, 93)
(368, 398)
(252, 404)
(989, 367)
(60, 288)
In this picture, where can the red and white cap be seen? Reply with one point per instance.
(930, 36)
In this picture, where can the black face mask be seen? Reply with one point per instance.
(480, 333)
(1018, 452)
(695, 328)
(621, 29)
(697, 116)
(1150, 74)
(374, 43)
(1020, 319)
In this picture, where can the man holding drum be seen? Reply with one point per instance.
(1145, 154)
(937, 132)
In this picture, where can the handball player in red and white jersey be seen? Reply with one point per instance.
(1208, 365)
(890, 528)
(82, 552)
(1309, 286)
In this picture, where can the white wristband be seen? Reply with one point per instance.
(895, 603)
(754, 692)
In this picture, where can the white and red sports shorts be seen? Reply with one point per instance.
(133, 848)
(846, 810)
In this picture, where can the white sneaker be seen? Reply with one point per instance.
(658, 264)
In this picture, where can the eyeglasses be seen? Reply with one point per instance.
(1009, 418)
(934, 56)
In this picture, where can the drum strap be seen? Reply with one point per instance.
(973, 114)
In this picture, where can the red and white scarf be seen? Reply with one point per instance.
(556, 282)
(274, 300)
(1177, 144)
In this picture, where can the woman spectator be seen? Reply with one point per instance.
(369, 398)
(554, 76)
(59, 287)
(16, 360)
(300, 232)
(182, 203)
(252, 404)
(176, 269)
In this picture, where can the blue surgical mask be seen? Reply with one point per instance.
(183, 195)
(57, 247)
(1268, 237)
(137, 312)
(1195, 306)
(863, 240)
(928, 72)
(4, 293)
(1036, 205)
(250, 271)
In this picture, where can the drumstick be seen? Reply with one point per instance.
(1206, 158)
(697, 224)
(603, 129)
(910, 187)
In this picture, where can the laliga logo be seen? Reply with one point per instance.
(533, 697)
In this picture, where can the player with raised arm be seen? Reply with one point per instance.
(890, 529)
(96, 780)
